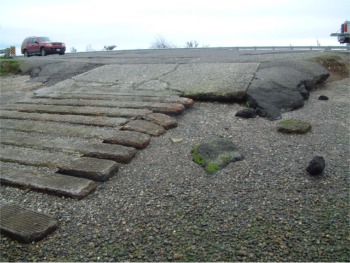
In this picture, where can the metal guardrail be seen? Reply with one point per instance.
(293, 48)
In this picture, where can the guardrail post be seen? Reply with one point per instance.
(12, 51)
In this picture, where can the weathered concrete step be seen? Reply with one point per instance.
(119, 97)
(126, 138)
(160, 107)
(144, 127)
(74, 119)
(25, 225)
(74, 110)
(101, 150)
(163, 120)
(90, 168)
(45, 181)
(85, 167)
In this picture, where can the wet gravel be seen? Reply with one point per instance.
(164, 207)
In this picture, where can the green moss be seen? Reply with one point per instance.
(197, 157)
(226, 159)
(212, 167)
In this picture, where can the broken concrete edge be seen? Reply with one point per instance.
(235, 97)
(28, 230)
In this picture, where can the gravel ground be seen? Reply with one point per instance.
(164, 207)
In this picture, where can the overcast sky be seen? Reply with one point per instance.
(135, 24)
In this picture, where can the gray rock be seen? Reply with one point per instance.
(216, 154)
(293, 126)
(316, 165)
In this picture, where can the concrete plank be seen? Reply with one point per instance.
(35, 157)
(187, 102)
(45, 181)
(74, 110)
(68, 130)
(144, 127)
(86, 167)
(100, 150)
(25, 225)
(90, 168)
(73, 119)
(163, 120)
(130, 138)
(160, 107)
(57, 128)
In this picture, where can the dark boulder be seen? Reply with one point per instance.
(316, 166)
(304, 92)
(283, 85)
(323, 97)
(246, 113)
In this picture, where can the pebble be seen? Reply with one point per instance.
(178, 256)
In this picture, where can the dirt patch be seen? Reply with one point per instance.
(336, 65)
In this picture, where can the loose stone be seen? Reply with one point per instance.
(293, 126)
(316, 166)
(246, 113)
(323, 97)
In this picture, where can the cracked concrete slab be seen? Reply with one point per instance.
(226, 81)
(213, 81)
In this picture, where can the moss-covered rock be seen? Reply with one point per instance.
(293, 126)
(216, 154)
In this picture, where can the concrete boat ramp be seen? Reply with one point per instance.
(69, 137)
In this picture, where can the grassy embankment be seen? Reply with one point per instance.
(8, 66)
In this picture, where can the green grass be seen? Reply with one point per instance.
(9, 66)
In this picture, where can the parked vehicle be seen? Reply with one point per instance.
(41, 46)
(344, 35)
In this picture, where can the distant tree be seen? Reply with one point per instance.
(109, 47)
(161, 42)
(89, 48)
(192, 43)
(73, 50)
